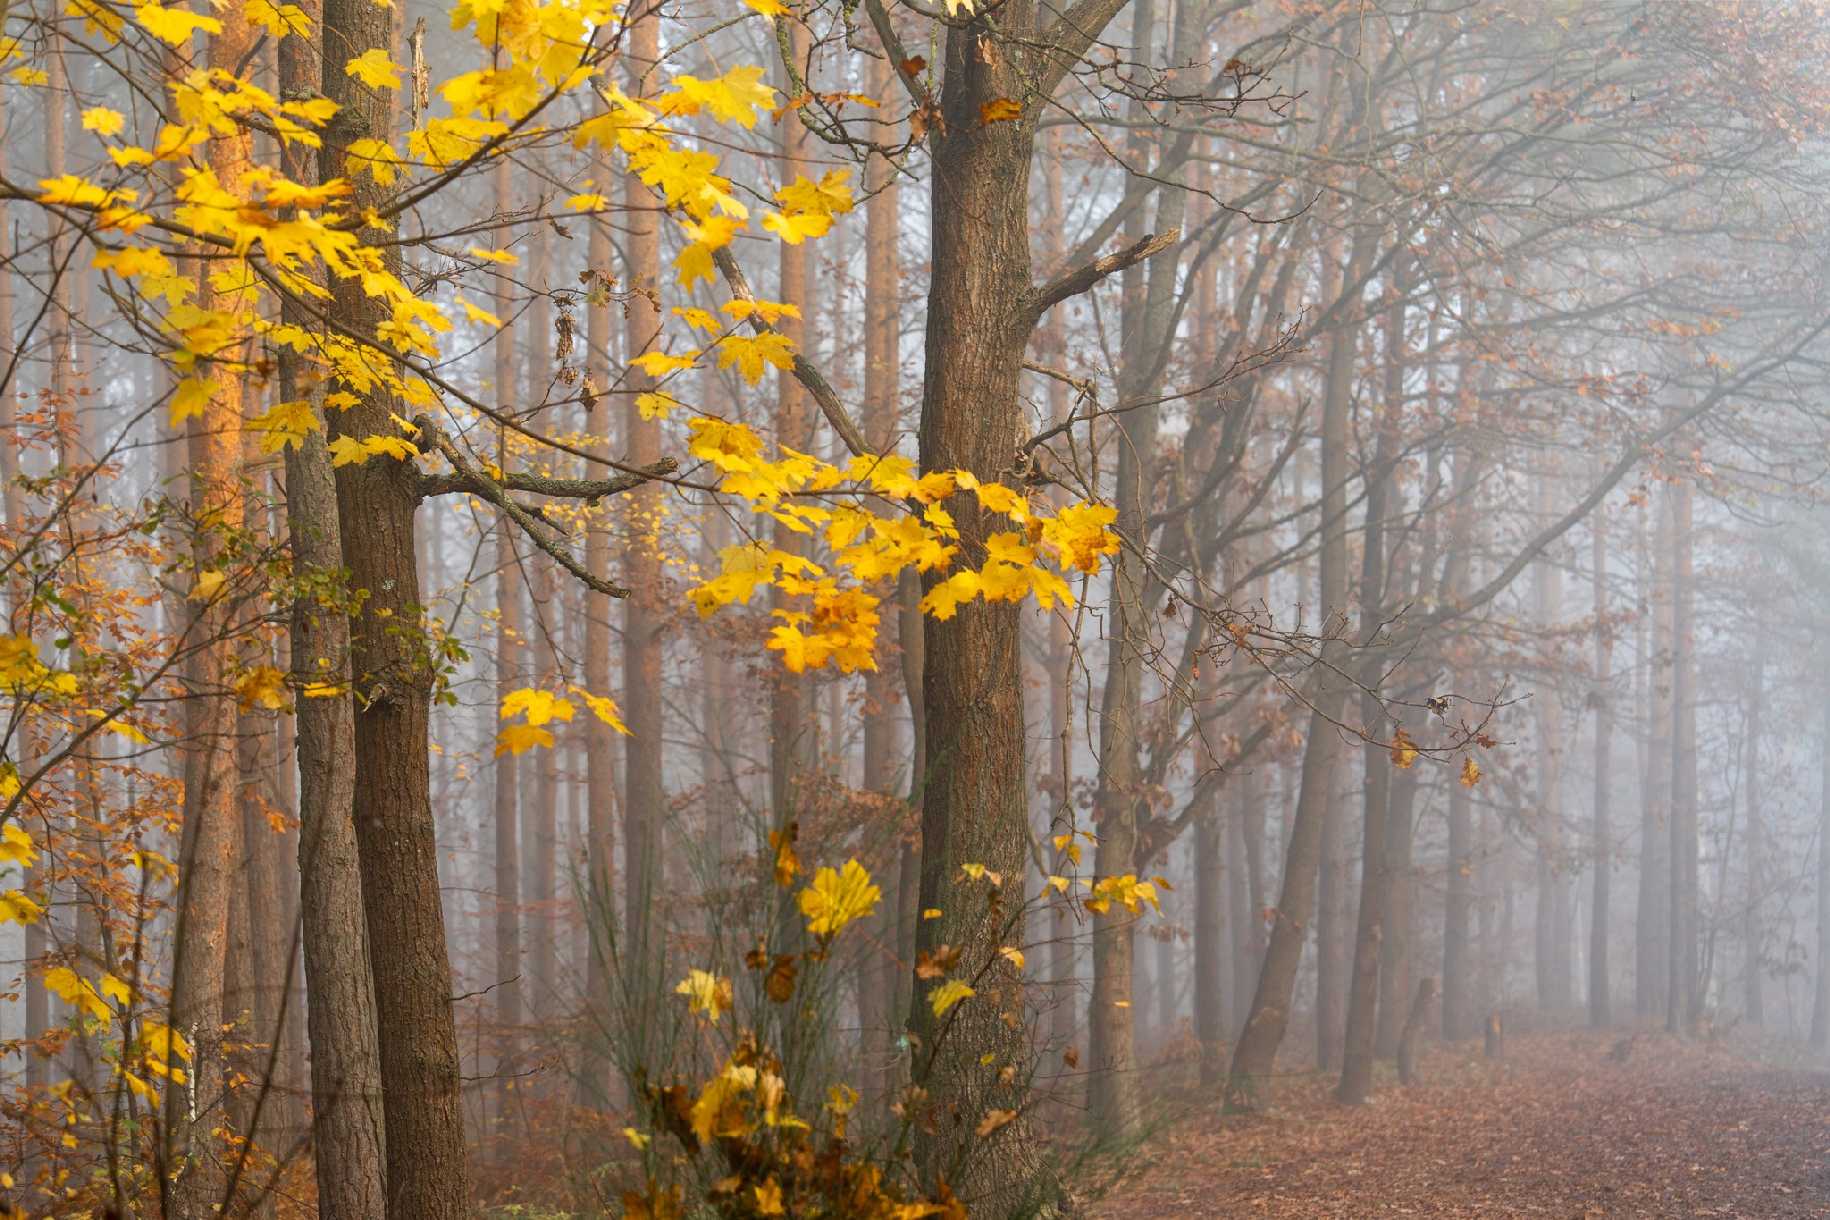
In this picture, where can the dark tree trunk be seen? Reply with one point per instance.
(427, 1175)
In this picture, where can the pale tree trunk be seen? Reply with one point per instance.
(213, 836)
(1551, 931)
(1652, 965)
(882, 699)
(1358, 1042)
(1256, 1054)
(540, 820)
(427, 1177)
(793, 723)
(600, 738)
(1209, 870)
(1245, 894)
(643, 794)
(1684, 1001)
(1753, 1006)
(1601, 981)
(1820, 1008)
(508, 983)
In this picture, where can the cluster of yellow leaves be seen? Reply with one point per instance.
(839, 625)
(706, 993)
(1127, 891)
(539, 708)
(837, 897)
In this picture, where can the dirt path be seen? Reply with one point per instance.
(1557, 1130)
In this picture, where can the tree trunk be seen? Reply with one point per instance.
(1550, 927)
(1600, 978)
(1652, 965)
(508, 984)
(427, 1177)
(1210, 1014)
(1820, 1008)
(644, 795)
(882, 699)
(1684, 1001)
(213, 836)
(600, 738)
(1753, 1007)
(1412, 1033)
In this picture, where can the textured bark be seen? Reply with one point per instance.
(1396, 956)
(643, 794)
(882, 698)
(793, 723)
(1601, 981)
(540, 816)
(1412, 1033)
(213, 830)
(427, 1175)
(600, 738)
(1256, 1054)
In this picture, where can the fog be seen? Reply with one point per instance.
(880, 609)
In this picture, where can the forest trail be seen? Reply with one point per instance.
(1556, 1129)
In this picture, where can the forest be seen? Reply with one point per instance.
(886, 609)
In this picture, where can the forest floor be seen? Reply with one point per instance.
(1557, 1128)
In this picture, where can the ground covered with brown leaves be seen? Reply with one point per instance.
(1559, 1128)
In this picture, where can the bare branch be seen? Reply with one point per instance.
(1083, 278)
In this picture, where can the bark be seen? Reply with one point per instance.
(643, 792)
(882, 394)
(540, 817)
(1395, 949)
(213, 833)
(793, 723)
(1412, 1033)
(1210, 1015)
(1600, 979)
(600, 738)
(1256, 1054)
(427, 1176)
(348, 1140)
(509, 985)
(981, 310)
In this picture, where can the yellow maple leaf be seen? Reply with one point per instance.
(536, 706)
(752, 354)
(706, 993)
(1470, 772)
(208, 583)
(375, 157)
(836, 897)
(15, 907)
(262, 686)
(655, 405)
(519, 738)
(173, 25)
(947, 995)
(374, 69)
(103, 121)
(659, 364)
(78, 992)
(734, 97)
(189, 399)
